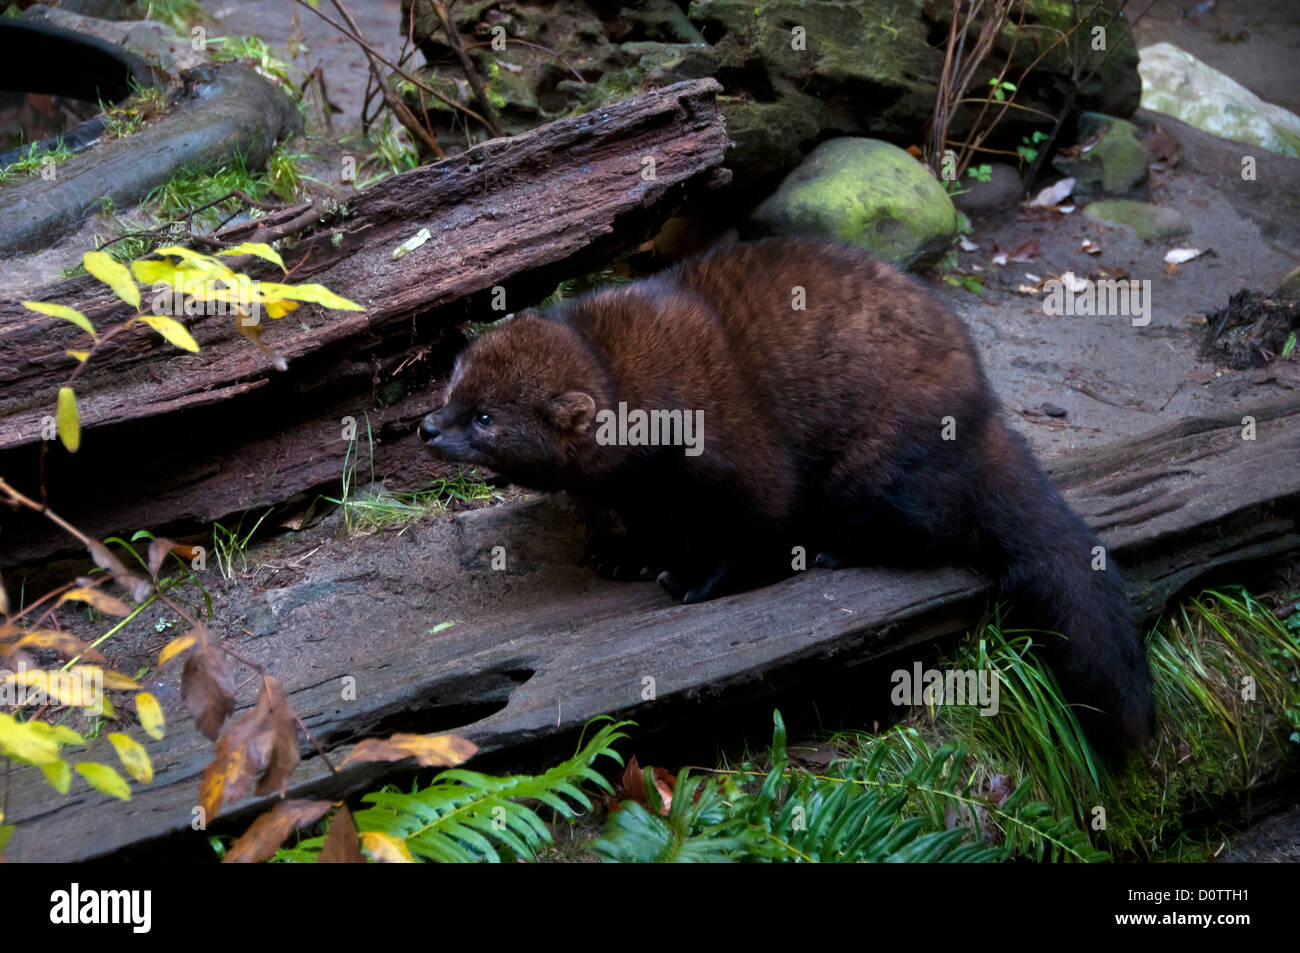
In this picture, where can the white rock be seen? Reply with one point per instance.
(1176, 83)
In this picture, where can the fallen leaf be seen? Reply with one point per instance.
(1025, 252)
(1176, 256)
(1054, 194)
(1071, 282)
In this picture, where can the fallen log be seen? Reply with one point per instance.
(538, 649)
(171, 436)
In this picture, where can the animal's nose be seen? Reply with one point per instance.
(429, 431)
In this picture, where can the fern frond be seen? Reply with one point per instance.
(464, 816)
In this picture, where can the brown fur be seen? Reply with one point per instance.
(822, 428)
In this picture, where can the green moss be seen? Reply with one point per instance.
(1150, 222)
(867, 192)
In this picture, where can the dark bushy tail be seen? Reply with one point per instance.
(1045, 556)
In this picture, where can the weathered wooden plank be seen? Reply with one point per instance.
(540, 649)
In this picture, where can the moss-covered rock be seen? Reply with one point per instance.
(1151, 222)
(1108, 158)
(867, 192)
(1176, 83)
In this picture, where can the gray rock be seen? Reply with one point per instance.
(1176, 83)
(1002, 190)
(867, 192)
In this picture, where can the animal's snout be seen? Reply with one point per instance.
(429, 431)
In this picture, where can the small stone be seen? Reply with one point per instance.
(1150, 222)
(1054, 411)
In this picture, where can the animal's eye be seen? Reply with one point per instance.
(483, 420)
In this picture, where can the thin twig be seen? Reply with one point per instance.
(467, 66)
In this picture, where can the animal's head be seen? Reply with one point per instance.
(520, 401)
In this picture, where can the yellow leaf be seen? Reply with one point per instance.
(103, 778)
(100, 600)
(64, 312)
(317, 294)
(59, 641)
(174, 648)
(79, 355)
(260, 249)
(115, 681)
(150, 714)
(59, 775)
(62, 734)
(385, 849)
(66, 688)
(67, 419)
(133, 757)
(116, 276)
(203, 264)
(152, 272)
(172, 330)
(278, 309)
(19, 740)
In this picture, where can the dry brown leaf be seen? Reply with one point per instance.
(342, 842)
(429, 751)
(632, 786)
(242, 753)
(138, 586)
(282, 758)
(159, 547)
(265, 835)
(1025, 252)
(206, 686)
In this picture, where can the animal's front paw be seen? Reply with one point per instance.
(695, 590)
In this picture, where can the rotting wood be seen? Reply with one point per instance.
(1168, 506)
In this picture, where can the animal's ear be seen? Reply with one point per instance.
(572, 410)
